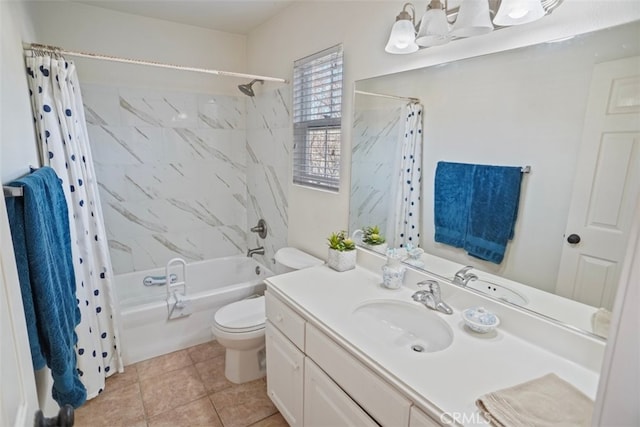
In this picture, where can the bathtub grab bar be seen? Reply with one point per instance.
(176, 284)
(178, 303)
(159, 280)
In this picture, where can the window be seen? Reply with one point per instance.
(317, 118)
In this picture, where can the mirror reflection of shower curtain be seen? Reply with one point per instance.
(403, 226)
(63, 141)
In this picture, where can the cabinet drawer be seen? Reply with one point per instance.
(285, 319)
(374, 395)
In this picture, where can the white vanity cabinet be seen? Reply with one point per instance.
(313, 381)
(302, 392)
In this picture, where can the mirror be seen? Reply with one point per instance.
(537, 106)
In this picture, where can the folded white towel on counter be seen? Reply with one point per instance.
(546, 401)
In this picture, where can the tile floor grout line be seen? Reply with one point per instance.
(215, 410)
(144, 408)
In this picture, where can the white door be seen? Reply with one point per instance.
(606, 186)
(18, 397)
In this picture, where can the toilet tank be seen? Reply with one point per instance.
(292, 259)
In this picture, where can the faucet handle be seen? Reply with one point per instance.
(433, 287)
(261, 228)
(460, 273)
(429, 282)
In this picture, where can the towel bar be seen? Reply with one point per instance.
(12, 191)
(16, 191)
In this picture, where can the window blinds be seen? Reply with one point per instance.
(317, 118)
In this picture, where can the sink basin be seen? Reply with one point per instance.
(402, 325)
(498, 291)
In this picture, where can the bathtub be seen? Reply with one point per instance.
(145, 331)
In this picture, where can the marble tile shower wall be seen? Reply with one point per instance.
(269, 142)
(172, 172)
(376, 133)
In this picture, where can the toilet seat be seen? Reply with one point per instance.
(241, 316)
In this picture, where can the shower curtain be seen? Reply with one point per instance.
(404, 219)
(63, 141)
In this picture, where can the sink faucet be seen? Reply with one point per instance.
(256, 251)
(462, 276)
(431, 297)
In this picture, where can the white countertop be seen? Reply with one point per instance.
(451, 379)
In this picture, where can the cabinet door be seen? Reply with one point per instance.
(420, 419)
(284, 375)
(384, 403)
(325, 404)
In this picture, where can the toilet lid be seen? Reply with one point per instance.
(296, 259)
(242, 315)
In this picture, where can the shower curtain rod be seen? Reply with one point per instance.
(382, 95)
(59, 50)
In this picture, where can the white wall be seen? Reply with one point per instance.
(17, 138)
(80, 27)
(18, 149)
(362, 27)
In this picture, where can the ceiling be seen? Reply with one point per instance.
(232, 16)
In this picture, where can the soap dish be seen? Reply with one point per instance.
(480, 320)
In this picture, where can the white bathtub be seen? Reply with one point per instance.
(145, 331)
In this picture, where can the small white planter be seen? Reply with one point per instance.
(341, 261)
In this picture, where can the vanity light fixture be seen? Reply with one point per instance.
(516, 12)
(403, 33)
(442, 23)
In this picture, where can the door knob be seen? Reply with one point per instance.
(573, 239)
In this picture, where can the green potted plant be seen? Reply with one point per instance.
(374, 240)
(342, 254)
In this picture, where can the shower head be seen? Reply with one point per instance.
(247, 88)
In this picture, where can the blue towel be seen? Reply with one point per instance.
(495, 194)
(475, 207)
(452, 193)
(40, 232)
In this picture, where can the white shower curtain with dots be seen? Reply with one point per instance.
(405, 212)
(63, 140)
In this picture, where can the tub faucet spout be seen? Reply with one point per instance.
(256, 251)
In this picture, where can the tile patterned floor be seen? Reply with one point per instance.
(186, 388)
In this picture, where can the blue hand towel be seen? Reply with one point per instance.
(452, 193)
(40, 232)
(495, 194)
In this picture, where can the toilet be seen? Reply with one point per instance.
(239, 326)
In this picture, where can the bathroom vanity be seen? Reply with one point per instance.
(343, 350)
